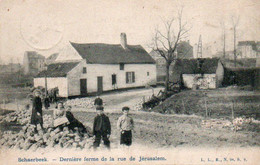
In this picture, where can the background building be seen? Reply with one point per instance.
(33, 63)
(248, 49)
(184, 51)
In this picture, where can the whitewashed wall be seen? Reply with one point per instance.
(106, 71)
(60, 82)
(219, 74)
(207, 82)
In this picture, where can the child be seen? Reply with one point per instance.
(74, 123)
(101, 128)
(125, 124)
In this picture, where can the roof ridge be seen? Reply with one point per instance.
(99, 43)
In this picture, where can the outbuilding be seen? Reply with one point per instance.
(202, 73)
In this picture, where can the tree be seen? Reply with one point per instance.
(165, 43)
(235, 21)
(223, 26)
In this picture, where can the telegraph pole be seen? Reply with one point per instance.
(235, 55)
(224, 46)
(199, 50)
(45, 79)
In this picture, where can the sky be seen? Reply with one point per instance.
(47, 26)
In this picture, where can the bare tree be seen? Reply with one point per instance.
(165, 43)
(223, 27)
(235, 21)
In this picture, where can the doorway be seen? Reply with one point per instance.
(99, 84)
(83, 87)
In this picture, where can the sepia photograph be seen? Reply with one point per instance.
(129, 82)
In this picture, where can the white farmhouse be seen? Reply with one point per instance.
(84, 69)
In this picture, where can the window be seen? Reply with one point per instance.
(121, 66)
(148, 73)
(130, 77)
(113, 79)
(84, 70)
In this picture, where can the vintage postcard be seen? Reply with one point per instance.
(129, 82)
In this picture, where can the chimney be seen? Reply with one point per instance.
(123, 40)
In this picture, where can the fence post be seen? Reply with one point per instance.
(232, 109)
(162, 108)
(183, 105)
(205, 101)
(4, 104)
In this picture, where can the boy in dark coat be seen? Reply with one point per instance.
(36, 117)
(74, 123)
(101, 128)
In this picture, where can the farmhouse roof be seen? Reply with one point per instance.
(196, 66)
(99, 53)
(58, 69)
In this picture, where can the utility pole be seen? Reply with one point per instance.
(224, 43)
(222, 23)
(199, 50)
(45, 79)
(235, 22)
(235, 55)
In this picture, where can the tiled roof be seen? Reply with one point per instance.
(98, 53)
(58, 69)
(196, 66)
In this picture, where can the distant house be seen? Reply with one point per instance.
(160, 66)
(33, 62)
(83, 69)
(184, 51)
(10, 68)
(204, 73)
(248, 49)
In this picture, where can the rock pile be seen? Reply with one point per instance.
(239, 122)
(22, 117)
(82, 102)
(236, 124)
(216, 123)
(28, 138)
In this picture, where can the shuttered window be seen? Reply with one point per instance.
(130, 77)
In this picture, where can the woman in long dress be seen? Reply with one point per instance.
(36, 117)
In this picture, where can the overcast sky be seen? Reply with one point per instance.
(47, 26)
